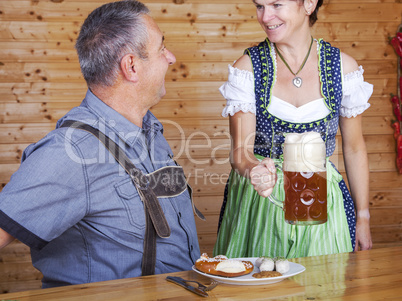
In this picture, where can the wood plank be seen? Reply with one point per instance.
(11, 153)
(208, 226)
(38, 113)
(66, 91)
(7, 169)
(19, 286)
(378, 245)
(184, 51)
(76, 3)
(375, 144)
(37, 51)
(386, 234)
(379, 162)
(383, 181)
(180, 71)
(34, 112)
(252, 33)
(209, 204)
(202, 91)
(19, 272)
(16, 251)
(167, 108)
(24, 132)
(386, 198)
(197, 12)
(65, 33)
(172, 113)
(385, 216)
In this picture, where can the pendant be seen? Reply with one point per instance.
(297, 82)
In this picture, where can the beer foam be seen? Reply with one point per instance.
(304, 152)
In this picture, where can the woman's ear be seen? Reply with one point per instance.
(309, 6)
(129, 66)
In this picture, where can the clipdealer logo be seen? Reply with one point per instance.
(195, 151)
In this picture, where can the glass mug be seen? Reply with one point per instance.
(305, 179)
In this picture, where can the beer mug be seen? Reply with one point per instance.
(305, 179)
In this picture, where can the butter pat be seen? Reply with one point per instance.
(230, 266)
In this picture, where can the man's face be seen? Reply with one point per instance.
(157, 63)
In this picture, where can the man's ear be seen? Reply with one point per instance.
(129, 66)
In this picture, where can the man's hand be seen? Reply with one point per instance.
(263, 177)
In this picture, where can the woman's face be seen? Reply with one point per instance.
(281, 19)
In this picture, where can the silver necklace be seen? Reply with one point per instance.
(297, 81)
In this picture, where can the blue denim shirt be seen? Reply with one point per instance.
(78, 210)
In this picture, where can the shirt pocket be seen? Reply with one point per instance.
(131, 200)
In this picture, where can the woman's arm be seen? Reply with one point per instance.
(356, 164)
(242, 130)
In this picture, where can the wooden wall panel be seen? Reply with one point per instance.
(40, 80)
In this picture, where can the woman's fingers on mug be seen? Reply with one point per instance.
(263, 180)
(265, 193)
(260, 174)
(269, 164)
(266, 166)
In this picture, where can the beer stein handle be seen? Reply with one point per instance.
(275, 201)
(272, 198)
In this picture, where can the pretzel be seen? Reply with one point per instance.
(222, 266)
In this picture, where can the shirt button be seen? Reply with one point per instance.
(191, 247)
(180, 214)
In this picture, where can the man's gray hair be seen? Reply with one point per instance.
(110, 32)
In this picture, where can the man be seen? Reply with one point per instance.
(78, 210)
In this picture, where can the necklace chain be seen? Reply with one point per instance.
(297, 81)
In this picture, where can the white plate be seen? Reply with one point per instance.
(294, 269)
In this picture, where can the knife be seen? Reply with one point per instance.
(183, 283)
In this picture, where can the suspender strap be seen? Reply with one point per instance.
(155, 218)
(149, 255)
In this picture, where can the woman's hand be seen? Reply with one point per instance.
(363, 235)
(263, 177)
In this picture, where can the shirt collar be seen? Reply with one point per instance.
(110, 121)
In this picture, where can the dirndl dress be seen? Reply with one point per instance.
(250, 225)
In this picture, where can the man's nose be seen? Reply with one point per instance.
(170, 57)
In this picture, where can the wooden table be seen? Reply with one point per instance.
(365, 275)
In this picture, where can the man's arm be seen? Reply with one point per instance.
(5, 238)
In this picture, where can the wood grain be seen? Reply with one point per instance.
(40, 80)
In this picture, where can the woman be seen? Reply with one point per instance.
(293, 83)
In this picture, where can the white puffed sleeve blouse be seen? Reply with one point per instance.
(239, 94)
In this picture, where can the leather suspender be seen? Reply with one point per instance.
(156, 222)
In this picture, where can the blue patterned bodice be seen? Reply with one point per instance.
(270, 129)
